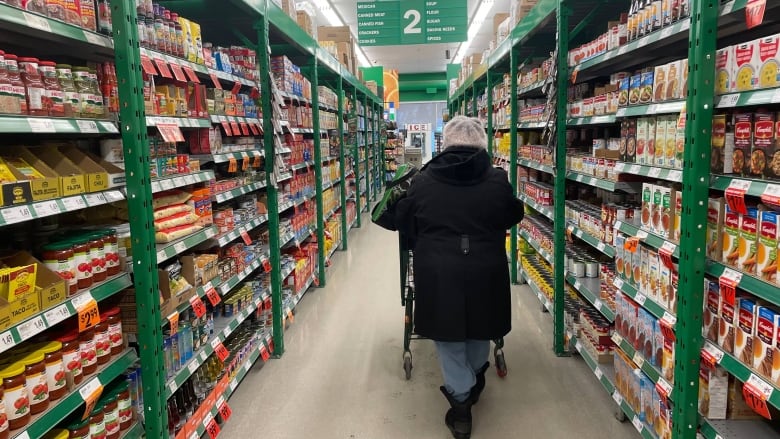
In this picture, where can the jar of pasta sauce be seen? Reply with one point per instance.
(59, 258)
(102, 341)
(15, 395)
(88, 352)
(115, 336)
(125, 403)
(82, 262)
(97, 256)
(97, 423)
(71, 358)
(111, 244)
(55, 369)
(79, 429)
(3, 416)
(111, 416)
(35, 376)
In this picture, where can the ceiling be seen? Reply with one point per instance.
(421, 58)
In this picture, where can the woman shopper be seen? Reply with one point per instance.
(456, 214)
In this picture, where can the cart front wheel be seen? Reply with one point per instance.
(408, 365)
(620, 415)
(501, 369)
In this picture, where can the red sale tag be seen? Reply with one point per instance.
(148, 66)
(729, 281)
(264, 354)
(631, 245)
(267, 303)
(213, 429)
(198, 306)
(236, 129)
(735, 195)
(178, 73)
(225, 411)
(245, 236)
(221, 352)
(267, 266)
(213, 296)
(162, 66)
(215, 80)
(665, 255)
(236, 88)
(191, 74)
(226, 127)
(754, 13)
(756, 393)
(244, 128)
(254, 129)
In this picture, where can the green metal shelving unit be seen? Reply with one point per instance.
(711, 23)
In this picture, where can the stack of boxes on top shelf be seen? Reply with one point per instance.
(339, 42)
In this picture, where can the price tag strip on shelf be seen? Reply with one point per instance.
(90, 393)
(735, 195)
(757, 392)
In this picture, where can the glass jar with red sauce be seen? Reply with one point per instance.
(114, 319)
(59, 258)
(3, 415)
(97, 256)
(15, 395)
(35, 376)
(97, 424)
(82, 262)
(55, 97)
(102, 342)
(56, 378)
(15, 80)
(79, 429)
(125, 403)
(111, 244)
(111, 416)
(88, 352)
(71, 358)
(33, 84)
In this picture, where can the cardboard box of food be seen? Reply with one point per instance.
(635, 89)
(768, 69)
(646, 90)
(647, 206)
(743, 141)
(676, 231)
(764, 146)
(658, 158)
(339, 34)
(747, 316)
(711, 315)
(715, 219)
(44, 187)
(748, 242)
(724, 65)
(679, 142)
(644, 271)
(116, 175)
(673, 80)
(767, 324)
(642, 136)
(16, 192)
(717, 161)
(713, 391)
(732, 224)
(766, 250)
(726, 325)
(631, 142)
(96, 176)
(72, 179)
(746, 60)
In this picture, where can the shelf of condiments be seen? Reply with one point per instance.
(94, 15)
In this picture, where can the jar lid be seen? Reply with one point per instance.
(110, 312)
(107, 398)
(48, 63)
(78, 424)
(64, 66)
(32, 357)
(81, 69)
(57, 433)
(12, 370)
(57, 246)
(28, 59)
(50, 347)
(10, 56)
(98, 410)
(69, 337)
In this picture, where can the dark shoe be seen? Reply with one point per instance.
(479, 386)
(458, 418)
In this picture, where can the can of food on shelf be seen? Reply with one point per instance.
(591, 268)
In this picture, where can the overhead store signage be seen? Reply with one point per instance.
(402, 22)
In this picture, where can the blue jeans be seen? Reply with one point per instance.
(458, 361)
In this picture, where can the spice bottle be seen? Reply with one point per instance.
(15, 395)
(71, 358)
(81, 79)
(97, 95)
(104, 17)
(33, 84)
(35, 376)
(9, 103)
(70, 93)
(54, 97)
(15, 80)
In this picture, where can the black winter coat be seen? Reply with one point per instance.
(456, 214)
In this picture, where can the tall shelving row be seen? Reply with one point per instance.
(201, 201)
(658, 267)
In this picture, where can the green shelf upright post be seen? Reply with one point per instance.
(559, 196)
(269, 143)
(353, 121)
(474, 96)
(489, 104)
(139, 202)
(367, 148)
(695, 192)
(342, 165)
(315, 108)
(513, 55)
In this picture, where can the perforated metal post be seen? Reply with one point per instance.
(695, 193)
(342, 165)
(353, 118)
(513, 159)
(139, 202)
(489, 104)
(315, 108)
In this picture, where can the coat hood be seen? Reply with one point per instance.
(460, 165)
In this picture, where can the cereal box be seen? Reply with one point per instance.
(743, 141)
(711, 315)
(635, 89)
(766, 251)
(744, 71)
(731, 226)
(724, 65)
(726, 327)
(769, 57)
(673, 78)
(660, 142)
(715, 218)
(763, 145)
(659, 83)
(641, 139)
(646, 90)
(764, 341)
(745, 330)
(623, 92)
(748, 242)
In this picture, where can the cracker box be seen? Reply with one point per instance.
(665, 290)
(649, 149)
(642, 134)
(659, 83)
(636, 264)
(644, 272)
(745, 57)
(673, 80)
(726, 328)
(768, 69)
(658, 344)
(715, 218)
(766, 250)
(671, 141)
(635, 89)
(764, 342)
(731, 226)
(679, 142)
(655, 276)
(761, 159)
(647, 340)
(660, 141)
(748, 242)
(624, 87)
(711, 315)
(724, 65)
(623, 140)
(631, 142)
(713, 391)
(747, 316)
(743, 142)
(667, 366)
(632, 312)
(684, 78)
(646, 90)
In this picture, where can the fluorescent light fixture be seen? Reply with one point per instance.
(476, 24)
(362, 58)
(334, 20)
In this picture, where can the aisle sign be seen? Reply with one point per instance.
(402, 22)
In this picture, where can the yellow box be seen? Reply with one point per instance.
(768, 67)
(724, 73)
(96, 176)
(46, 186)
(745, 61)
(72, 180)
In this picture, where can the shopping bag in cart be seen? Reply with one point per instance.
(383, 213)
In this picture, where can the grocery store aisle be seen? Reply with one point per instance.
(341, 376)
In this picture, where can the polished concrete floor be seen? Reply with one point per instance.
(341, 376)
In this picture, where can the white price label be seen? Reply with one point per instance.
(598, 372)
(224, 288)
(617, 338)
(601, 246)
(578, 346)
(192, 366)
(6, 341)
(87, 126)
(638, 359)
(619, 167)
(90, 388)
(620, 113)
(30, 328)
(167, 184)
(665, 386)
(210, 233)
(215, 342)
(41, 125)
(74, 203)
(578, 233)
(597, 303)
(666, 33)
(56, 315)
(247, 365)
(81, 300)
(220, 401)
(675, 175)
(776, 96)
(179, 182)
(622, 50)
(618, 224)
(46, 208)
(728, 101)
(638, 423)
(112, 196)
(740, 185)
(640, 299)
(190, 179)
(95, 199)
(203, 356)
(233, 385)
(618, 283)
(669, 247)
(732, 275)
(94, 38)
(37, 21)
(772, 190)
(207, 418)
(713, 351)
(23, 435)
(226, 332)
(577, 285)
(654, 172)
(172, 387)
(592, 181)
(180, 247)
(641, 234)
(17, 214)
(618, 398)
(634, 169)
(579, 178)
(161, 256)
(762, 386)
(669, 318)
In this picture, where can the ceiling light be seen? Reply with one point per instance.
(474, 27)
(330, 14)
(362, 58)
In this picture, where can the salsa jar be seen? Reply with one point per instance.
(97, 423)
(115, 336)
(71, 99)
(102, 342)
(79, 429)
(71, 358)
(125, 404)
(35, 375)
(56, 378)
(59, 258)
(88, 352)
(81, 79)
(15, 80)
(34, 88)
(15, 393)
(97, 256)
(111, 245)
(82, 262)
(111, 416)
(54, 98)
(9, 102)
